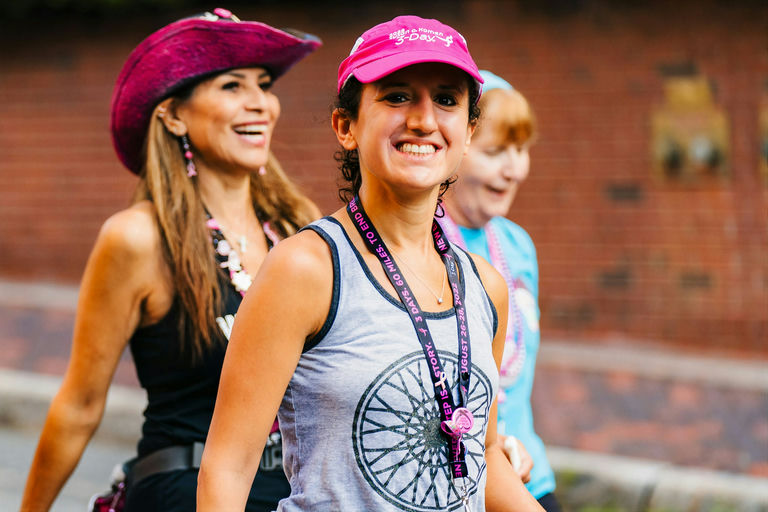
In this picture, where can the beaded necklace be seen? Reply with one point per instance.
(514, 345)
(227, 256)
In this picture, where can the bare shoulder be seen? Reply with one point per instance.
(128, 255)
(493, 281)
(304, 256)
(131, 232)
(295, 281)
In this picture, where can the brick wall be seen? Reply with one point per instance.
(623, 253)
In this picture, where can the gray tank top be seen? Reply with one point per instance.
(359, 419)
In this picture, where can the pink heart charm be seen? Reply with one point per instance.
(449, 427)
(463, 419)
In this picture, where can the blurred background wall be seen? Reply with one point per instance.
(648, 197)
(672, 256)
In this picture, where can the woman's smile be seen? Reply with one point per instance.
(254, 133)
(416, 150)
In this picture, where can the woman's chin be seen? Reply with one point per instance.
(493, 209)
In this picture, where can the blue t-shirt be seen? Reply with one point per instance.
(515, 415)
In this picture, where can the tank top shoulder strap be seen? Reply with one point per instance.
(328, 229)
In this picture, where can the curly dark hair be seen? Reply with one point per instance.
(348, 101)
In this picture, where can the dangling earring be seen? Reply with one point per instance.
(439, 210)
(262, 170)
(191, 171)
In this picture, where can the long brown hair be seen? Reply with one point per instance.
(186, 241)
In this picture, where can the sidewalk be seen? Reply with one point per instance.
(628, 428)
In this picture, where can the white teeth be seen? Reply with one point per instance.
(254, 137)
(250, 130)
(420, 149)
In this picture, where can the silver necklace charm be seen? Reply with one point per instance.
(439, 298)
(465, 497)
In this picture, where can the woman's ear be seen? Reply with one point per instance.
(342, 126)
(167, 112)
(470, 131)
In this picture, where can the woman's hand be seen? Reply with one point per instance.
(518, 456)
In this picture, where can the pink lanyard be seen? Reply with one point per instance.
(457, 420)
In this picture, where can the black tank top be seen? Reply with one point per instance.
(181, 395)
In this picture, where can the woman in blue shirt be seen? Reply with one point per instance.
(490, 175)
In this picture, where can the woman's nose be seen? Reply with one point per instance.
(515, 166)
(256, 100)
(421, 116)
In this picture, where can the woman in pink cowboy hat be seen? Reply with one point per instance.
(384, 341)
(193, 117)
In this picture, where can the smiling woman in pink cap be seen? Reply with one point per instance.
(192, 115)
(384, 340)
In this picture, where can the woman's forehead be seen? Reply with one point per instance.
(256, 71)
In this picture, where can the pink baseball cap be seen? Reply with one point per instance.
(404, 41)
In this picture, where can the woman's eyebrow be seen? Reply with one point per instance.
(451, 87)
(393, 84)
(237, 74)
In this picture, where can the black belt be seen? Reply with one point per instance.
(171, 458)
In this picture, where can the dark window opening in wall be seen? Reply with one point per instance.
(624, 192)
(695, 281)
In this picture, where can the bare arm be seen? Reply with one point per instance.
(287, 302)
(113, 288)
(504, 491)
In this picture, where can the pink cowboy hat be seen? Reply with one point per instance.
(185, 51)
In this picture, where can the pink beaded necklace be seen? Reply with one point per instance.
(514, 345)
(229, 258)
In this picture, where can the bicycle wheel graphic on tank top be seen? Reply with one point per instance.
(397, 441)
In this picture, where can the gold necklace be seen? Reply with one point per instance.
(439, 298)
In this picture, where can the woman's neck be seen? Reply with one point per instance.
(403, 222)
(227, 197)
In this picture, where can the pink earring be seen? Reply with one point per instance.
(191, 171)
(262, 170)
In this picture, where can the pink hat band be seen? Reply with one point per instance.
(402, 42)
